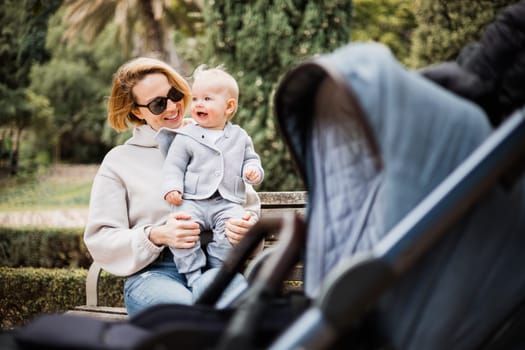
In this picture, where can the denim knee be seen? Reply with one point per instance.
(152, 287)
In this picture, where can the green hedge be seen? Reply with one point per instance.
(28, 292)
(43, 247)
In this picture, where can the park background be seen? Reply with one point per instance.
(57, 61)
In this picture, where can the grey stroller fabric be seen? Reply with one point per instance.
(371, 140)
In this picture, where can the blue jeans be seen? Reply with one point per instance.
(161, 283)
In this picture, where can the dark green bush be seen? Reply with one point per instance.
(110, 290)
(43, 247)
(28, 292)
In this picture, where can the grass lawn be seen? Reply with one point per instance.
(62, 186)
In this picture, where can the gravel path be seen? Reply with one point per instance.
(54, 218)
(45, 218)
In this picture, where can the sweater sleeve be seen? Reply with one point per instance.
(119, 249)
(253, 203)
(251, 158)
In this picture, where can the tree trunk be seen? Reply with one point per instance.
(14, 154)
(154, 31)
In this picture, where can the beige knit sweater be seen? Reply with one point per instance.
(126, 199)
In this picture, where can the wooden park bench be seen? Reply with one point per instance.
(272, 204)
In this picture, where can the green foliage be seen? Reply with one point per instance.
(24, 110)
(111, 290)
(26, 293)
(258, 42)
(36, 144)
(445, 27)
(141, 26)
(390, 22)
(24, 24)
(14, 104)
(184, 16)
(52, 283)
(76, 81)
(43, 247)
(63, 114)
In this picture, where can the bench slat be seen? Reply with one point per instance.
(106, 313)
(296, 199)
(112, 310)
(275, 212)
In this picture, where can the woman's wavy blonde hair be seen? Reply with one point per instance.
(121, 101)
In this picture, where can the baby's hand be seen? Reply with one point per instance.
(174, 198)
(252, 174)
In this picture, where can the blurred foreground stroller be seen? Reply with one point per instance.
(416, 209)
(414, 228)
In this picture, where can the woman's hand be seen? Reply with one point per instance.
(235, 229)
(177, 232)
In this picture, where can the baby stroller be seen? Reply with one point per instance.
(416, 209)
(414, 227)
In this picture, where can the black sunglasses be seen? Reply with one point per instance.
(158, 105)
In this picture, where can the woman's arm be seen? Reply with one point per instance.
(121, 244)
(117, 247)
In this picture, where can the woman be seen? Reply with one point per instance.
(129, 224)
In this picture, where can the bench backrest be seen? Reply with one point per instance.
(277, 203)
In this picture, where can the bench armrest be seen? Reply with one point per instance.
(92, 284)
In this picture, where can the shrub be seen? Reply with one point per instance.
(28, 292)
(43, 247)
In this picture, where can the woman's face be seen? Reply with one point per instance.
(148, 89)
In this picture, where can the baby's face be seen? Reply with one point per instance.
(210, 104)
